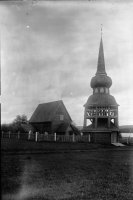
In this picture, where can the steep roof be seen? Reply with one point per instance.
(101, 100)
(101, 62)
(75, 129)
(101, 79)
(46, 111)
(64, 126)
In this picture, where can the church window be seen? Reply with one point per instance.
(106, 90)
(101, 90)
(61, 117)
(96, 90)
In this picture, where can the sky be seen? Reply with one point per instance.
(49, 52)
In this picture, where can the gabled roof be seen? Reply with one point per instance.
(79, 127)
(64, 126)
(46, 111)
(75, 129)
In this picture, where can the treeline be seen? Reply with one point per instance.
(15, 126)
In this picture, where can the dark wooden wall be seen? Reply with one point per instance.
(100, 137)
(43, 127)
(56, 120)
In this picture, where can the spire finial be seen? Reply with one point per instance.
(101, 29)
(101, 63)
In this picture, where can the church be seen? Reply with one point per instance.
(101, 107)
(50, 118)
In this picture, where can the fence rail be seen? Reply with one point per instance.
(126, 140)
(57, 138)
(23, 136)
(50, 137)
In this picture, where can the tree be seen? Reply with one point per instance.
(15, 126)
(20, 119)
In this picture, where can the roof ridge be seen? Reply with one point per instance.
(66, 110)
(45, 111)
(49, 102)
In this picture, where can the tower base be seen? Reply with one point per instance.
(102, 134)
(107, 137)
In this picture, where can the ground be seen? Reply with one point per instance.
(36, 171)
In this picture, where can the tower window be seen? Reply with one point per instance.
(101, 90)
(106, 90)
(96, 90)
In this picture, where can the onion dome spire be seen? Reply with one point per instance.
(101, 62)
(100, 84)
(101, 79)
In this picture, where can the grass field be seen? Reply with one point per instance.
(99, 173)
(15, 146)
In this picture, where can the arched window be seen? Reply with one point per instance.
(106, 90)
(96, 90)
(101, 90)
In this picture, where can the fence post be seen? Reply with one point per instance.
(73, 138)
(89, 137)
(29, 134)
(9, 134)
(36, 136)
(55, 137)
(127, 140)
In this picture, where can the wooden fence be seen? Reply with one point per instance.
(57, 138)
(126, 140)
(22, 136)
(50, 137)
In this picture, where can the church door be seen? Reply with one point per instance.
(114, 137)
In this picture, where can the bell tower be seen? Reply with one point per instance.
(101, 108)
